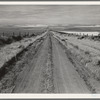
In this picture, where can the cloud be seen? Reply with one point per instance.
(49, 14)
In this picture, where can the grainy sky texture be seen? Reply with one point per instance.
(50, 15)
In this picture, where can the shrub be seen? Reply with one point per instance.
(5, 40)
(87, 52)
(16, 38)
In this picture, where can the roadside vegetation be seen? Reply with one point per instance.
(10, 35)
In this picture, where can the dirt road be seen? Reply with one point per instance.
(49, 71)
(66, 79)
(31, 81)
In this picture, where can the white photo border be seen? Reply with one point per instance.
(48, 96)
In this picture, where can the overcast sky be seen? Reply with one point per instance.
(50, 15)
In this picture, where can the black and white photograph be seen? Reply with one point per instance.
(50, 49)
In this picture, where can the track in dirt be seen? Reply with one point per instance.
(67, 80)
(48, 71)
